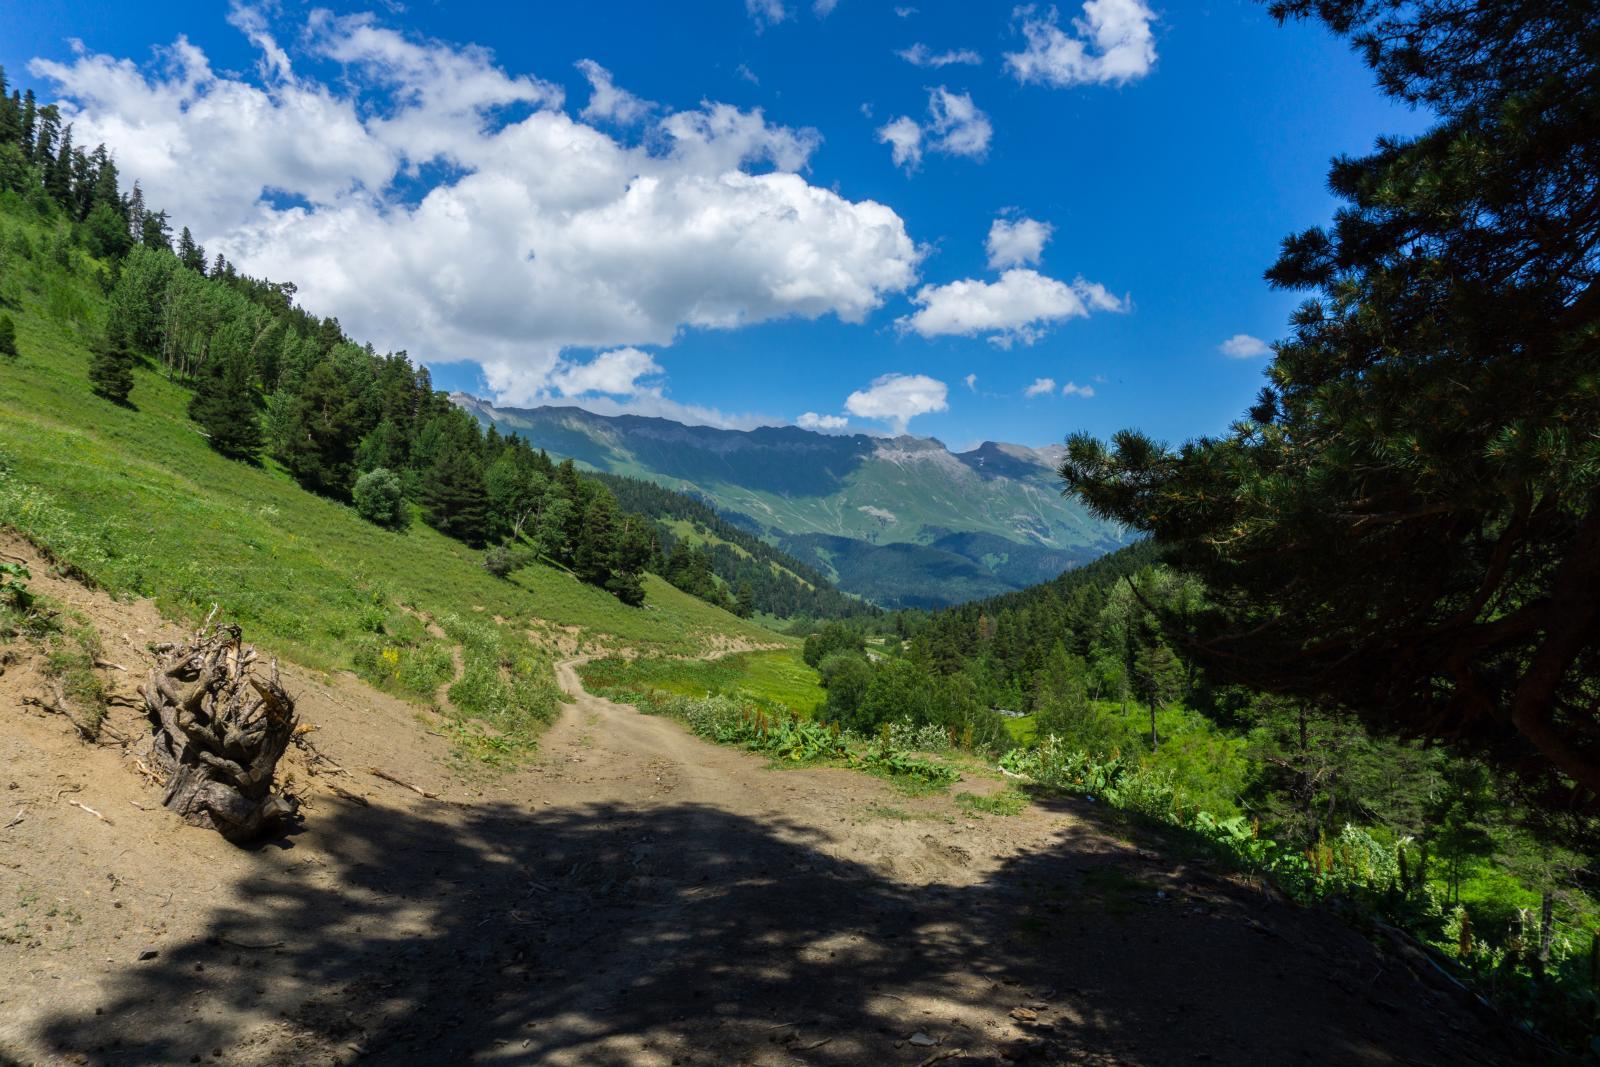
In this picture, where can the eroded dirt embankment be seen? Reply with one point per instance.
(636, 896)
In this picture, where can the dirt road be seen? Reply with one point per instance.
(637, 896)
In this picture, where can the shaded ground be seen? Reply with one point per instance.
(640, 897)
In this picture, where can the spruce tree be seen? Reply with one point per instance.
(135, 213)
(8, 336)
(190, 254)
(30, 116)
(58, 174)
(154, 231)
(595, 557)
(108, 232)
(454, 500)
(111, 364)
(224, 406)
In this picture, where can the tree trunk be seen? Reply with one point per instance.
(218, 733)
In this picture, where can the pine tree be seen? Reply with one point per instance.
(595, 557)
(108, 232)
(58, 174)
(154, 231)
(111, 364)
(744, 604)
(318, 437)
(10, 114)
(454, 501)
(8, 336)
(1406, 523)
(30, 121)
(190, 254)
(224, 406)
(135, 214)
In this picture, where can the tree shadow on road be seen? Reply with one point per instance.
(603, 934)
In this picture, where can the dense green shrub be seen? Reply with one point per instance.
(380, 498)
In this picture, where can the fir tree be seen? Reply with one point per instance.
(135, 215)
(111, 364)
(8, 336)
(224, 405)
(320, 430)
(108, 232)
(154, 231)
(29, 121)
(454, 501)
(58, 173)
(595, 557)
(190, 254)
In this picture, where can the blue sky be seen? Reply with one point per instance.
(444, 178)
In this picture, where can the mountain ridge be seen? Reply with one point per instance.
(978, 523)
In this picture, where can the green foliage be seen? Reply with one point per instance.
(306, 577)
(846, 676)
(70, 660)
(776, 681)
(14, 585)
(224, 406)
(834, 637)
(380, 498)
(406, 663)
(882, 758)
(790, 738)
(111, 365)
(504, 682)
(1406, 524)
(8, 336)
(1005, 802)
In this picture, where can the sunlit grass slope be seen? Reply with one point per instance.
(136, 501)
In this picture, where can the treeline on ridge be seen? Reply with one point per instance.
(731, 566)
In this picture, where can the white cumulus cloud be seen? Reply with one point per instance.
(1016, 242)
(546, 235)
(898, 398)
(1017, 307)
(616, 372)
(972, 382)
(920, 55)
(1111, 43)
(1074, 389)
(904, 138)
(1040, 387)
(606, 100)
(1244, 346)
(955, 126)
(812, 421)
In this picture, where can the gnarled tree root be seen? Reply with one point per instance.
(218, 732)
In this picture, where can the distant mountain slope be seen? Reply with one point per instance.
(986, 521)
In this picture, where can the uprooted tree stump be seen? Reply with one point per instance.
(218, 733)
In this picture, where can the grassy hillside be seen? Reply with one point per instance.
(777, 681)
(135, 500)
